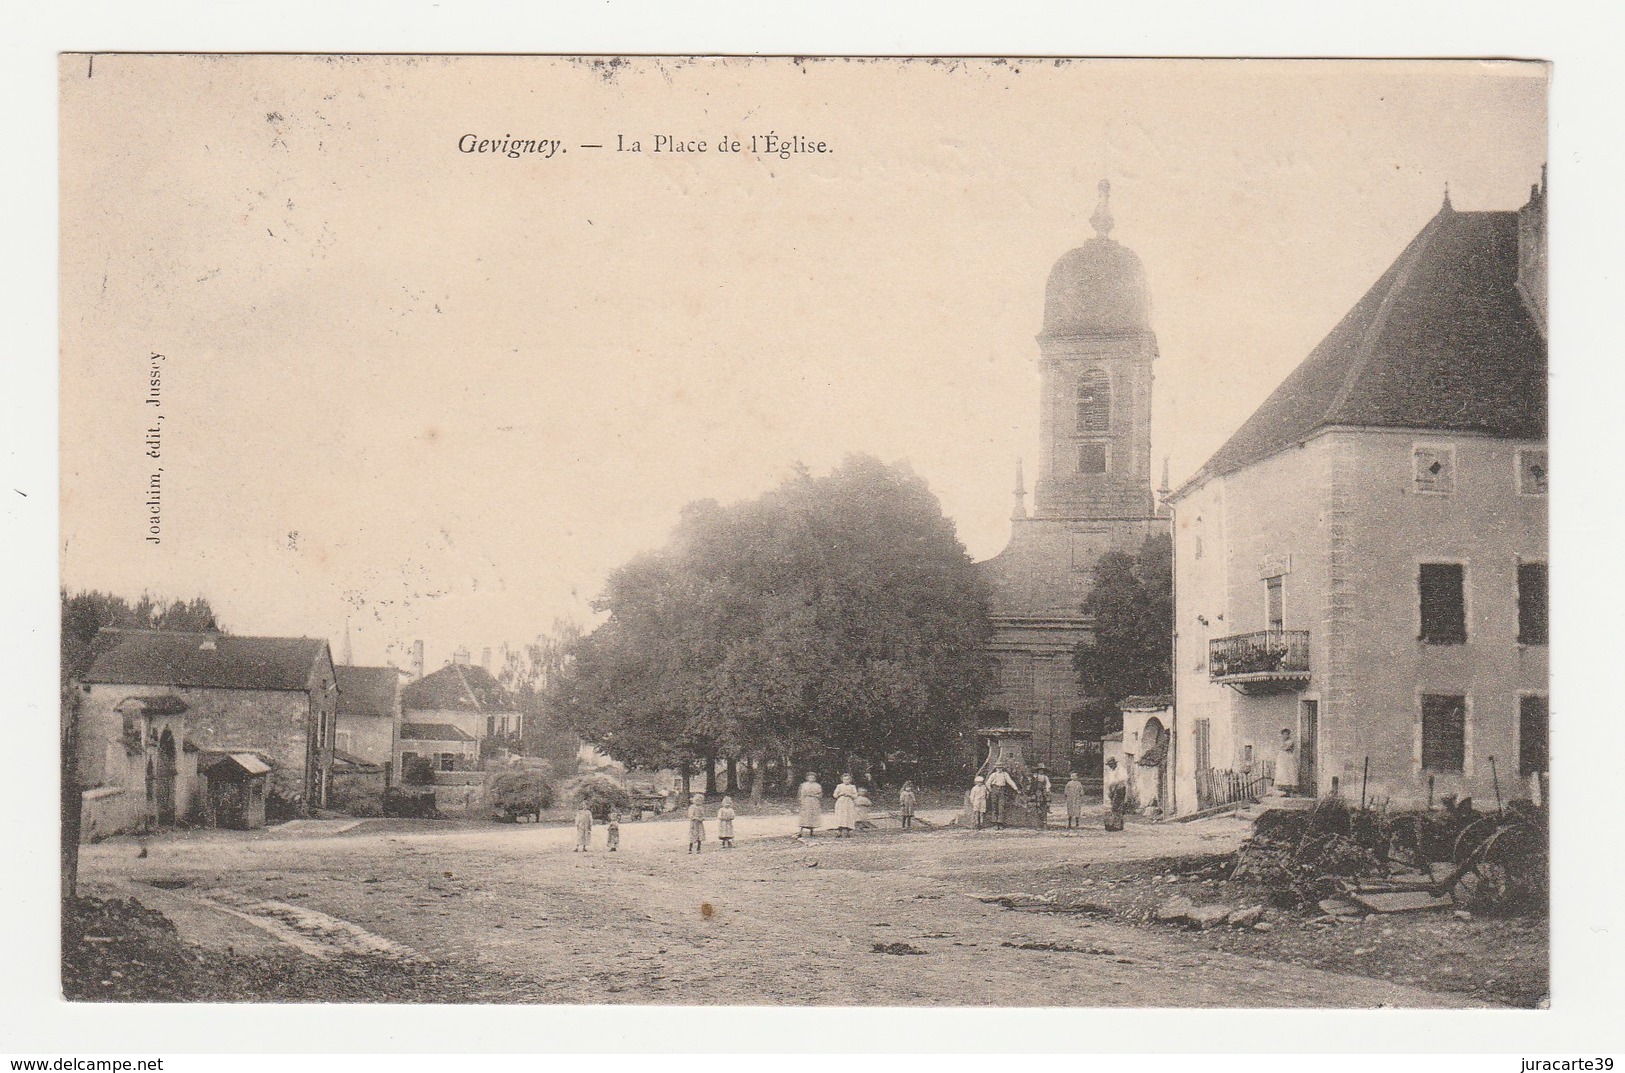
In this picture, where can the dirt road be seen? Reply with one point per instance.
(881, 919)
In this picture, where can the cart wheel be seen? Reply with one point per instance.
(1472, 838)
(1512, 869)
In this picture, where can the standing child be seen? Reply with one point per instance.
(725, 823)
(905, 805)
(583, 828)
(613, 831)
(978, 802)
(696, 823)
(1074, 801)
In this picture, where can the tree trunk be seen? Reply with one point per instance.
(758, 772)
(733, 774)
(710, 776)
(684, 766)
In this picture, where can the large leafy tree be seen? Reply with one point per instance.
(835, 617)
(1131, 652)
(527, 673)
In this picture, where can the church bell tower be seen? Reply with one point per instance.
(1095, 356)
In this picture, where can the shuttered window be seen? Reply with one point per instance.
(1444, 605)
(1532, 603)
(1534, 728)
(1444, 733)
(1094, 402)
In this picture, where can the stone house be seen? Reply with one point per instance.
(1364, 562)
(151, 700)
(466, 696)
(369, 715)
(1092, 494)
(447, 747)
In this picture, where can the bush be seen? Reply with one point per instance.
(410, 804)
(520, 793)
(417, 771)
(600, 793)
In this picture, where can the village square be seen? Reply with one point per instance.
(1273, 737)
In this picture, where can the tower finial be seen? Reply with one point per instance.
(1165, 490)
(1447, 204)
(1102, 221)
(1019, 511)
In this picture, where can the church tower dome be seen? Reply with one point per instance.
(1099, 287)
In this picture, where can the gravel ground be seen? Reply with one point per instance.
(486, 912)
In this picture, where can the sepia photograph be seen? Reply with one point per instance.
(804, 531)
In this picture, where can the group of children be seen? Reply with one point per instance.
(991, 798)
(696, 826)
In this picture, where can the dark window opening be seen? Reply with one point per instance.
(1534, 728)
(1444, 604)
(1444, 733)
(1532, 603)
(1091, 458)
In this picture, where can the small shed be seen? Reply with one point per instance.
(236, 796)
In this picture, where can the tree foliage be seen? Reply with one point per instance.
(835, 616)
(528, 674)
(1132, 602)
(83, 613)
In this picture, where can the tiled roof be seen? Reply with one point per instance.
(457, 687)
(434, 732)
(367, 690)
(172, 658)
(1443, 341)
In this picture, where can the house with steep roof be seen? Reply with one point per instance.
(152, 701)
(369, 711)
(466, 696)
(1363, 564)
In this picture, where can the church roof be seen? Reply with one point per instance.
(1443, 340)
(176, 658)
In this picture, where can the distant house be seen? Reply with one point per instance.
(445, 746)
(369, 710)
(152, 700)
(1363, 563)
(467, 697)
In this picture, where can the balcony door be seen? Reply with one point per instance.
(1309, 747)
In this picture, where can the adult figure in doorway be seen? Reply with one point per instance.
(1286, 763)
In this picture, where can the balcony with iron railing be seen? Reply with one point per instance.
(1268, 661)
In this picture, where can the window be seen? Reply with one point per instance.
(1094, 402)
(1532, 471)
(1434, 468)
(448, 761)
(343, 741)
(1531, 603)
(1534, 727)
(1444, 733)
(490, 726)
(1091, 458)
(1444, 604)
(1274, 604)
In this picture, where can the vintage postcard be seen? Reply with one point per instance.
(804, 531)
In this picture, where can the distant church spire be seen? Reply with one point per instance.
(1019, 511)
(1165, 490)
(1102, 220)
(1447, 206)
(347, 657)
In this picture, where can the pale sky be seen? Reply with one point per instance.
(474, 385)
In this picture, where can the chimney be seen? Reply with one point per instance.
(485, 658)
(460, 657)
(417, 660)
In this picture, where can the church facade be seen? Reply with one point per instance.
(1091, 494)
